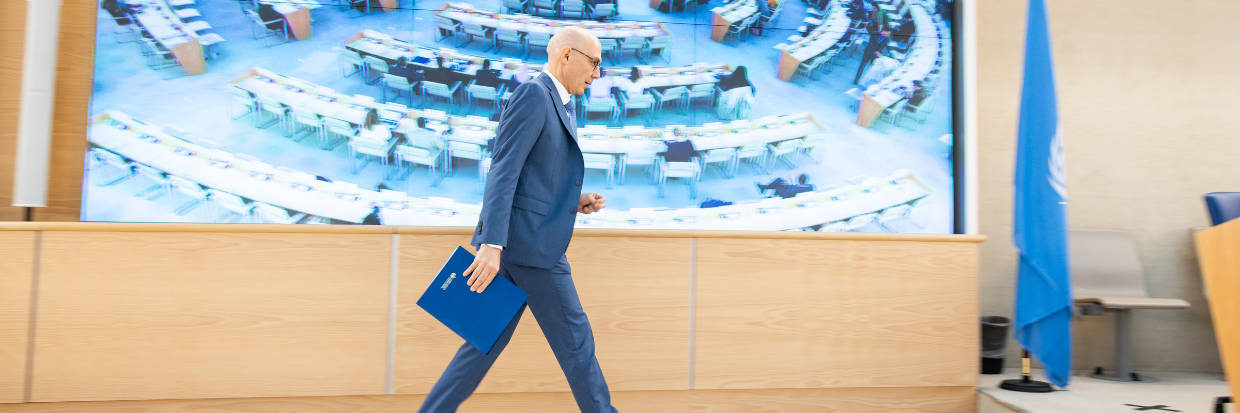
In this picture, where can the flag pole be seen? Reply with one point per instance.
(1026, 383)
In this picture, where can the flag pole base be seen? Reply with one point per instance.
(1026, 386)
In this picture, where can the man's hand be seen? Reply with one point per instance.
(484, 268)
(591, 203)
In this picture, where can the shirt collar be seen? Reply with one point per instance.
(559, 87)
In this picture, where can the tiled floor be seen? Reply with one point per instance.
(197, 104)
(1182, 392)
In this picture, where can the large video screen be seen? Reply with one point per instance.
(765, 115)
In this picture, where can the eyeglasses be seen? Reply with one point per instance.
(596, 63)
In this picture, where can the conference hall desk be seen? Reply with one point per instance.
(726, 16)
(930, 42)
(296, 14)
(269, 318)
(620, 31)
(160, 20)
(817, 42)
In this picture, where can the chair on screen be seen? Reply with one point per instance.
(663, 45)
(503, 35)
(678, 95)
(308, 121)
(602, 105)
(245, 98)
(351, 58)
(691, 172)
(182, 186)
(441, 90)
(810, 147)
(345, 130)
(919, 112)
(158, 182)
(864, 223)
(536, 41)
(375, 69)
(232, 205)
(379, 148)
(606, 162)
(279, 113)
(260, 29)
(483, 93)
(753, 155)
(837, 226)
(446, 27)
(646, 159)
(398, 85)
(898, 219)
(515, 6)
(160, 58)
(111, 161)
(473, 29)
(549, 5)
(572, 9)
(704, 90)
(724, 156)
(601, 12)
(634, 45)
(414, 156)
(787, 152)
(267, 213)
(464, 150)
(639, 102)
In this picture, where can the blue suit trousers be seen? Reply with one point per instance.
(554, 302)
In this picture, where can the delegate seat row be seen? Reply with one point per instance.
(169, 33)
(464, 21)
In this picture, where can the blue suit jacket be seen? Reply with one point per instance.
(534, 186)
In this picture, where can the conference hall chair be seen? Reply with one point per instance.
(640, 102)
(691, 172)
(647, 159)
(573, 9)
(159, 58)
(753, 155)
(864, 223)
(414, 156)
(837, 226)
(602, 105)
(471, 30)
(345, 130)
(267, 213)
(1222, 206)
(664, 45)
(1107, 276)
(430, 89)
(245, 98)
(375, 69)
(601, 12)
(919, 112)
(516, 6)
(503, 35)
(678, 95)
(352, 58)
(379, 148)
(354, 10)
(232, 205)
(602, 161)
(446, 27)
(109, 160)
(704, 90)
(808, 67)
(893, 113)
(551, 5)
(464, 150)
(811, 144)
(196, 193)
(608, 48)
(536, 41)
(308, 121)
(158, 182)
(279, 113)
(724, 156)
(634, 45)
(397, 84)
(186, 14)
(259, 27)
(124, 30)
(786, 152)
(482, 93)
(898, 219)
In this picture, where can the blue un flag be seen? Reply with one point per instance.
(1044, 281)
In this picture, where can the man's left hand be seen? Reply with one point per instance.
(591, 203)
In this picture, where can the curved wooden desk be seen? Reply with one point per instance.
(235, 318)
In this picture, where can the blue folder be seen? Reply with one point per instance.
(479, 318)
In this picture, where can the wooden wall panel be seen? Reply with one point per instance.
(13, 31)
(635, 291)
(816, 314)
(16, 274)
(872, 400)
(130, 316)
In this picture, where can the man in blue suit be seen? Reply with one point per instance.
(532, 198)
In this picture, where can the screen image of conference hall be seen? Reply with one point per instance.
(765, 115)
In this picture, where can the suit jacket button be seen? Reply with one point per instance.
(572, 211)
(578, 183)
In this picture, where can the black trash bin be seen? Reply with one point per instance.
(994, 340)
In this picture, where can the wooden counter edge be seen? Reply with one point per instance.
(377, 229)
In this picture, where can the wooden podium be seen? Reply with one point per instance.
(1218, 250)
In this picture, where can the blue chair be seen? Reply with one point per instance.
(1223, 206)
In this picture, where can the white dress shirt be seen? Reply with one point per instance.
(564, 97)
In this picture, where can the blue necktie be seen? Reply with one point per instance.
(572, 117)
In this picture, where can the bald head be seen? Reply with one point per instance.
(572, 57)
